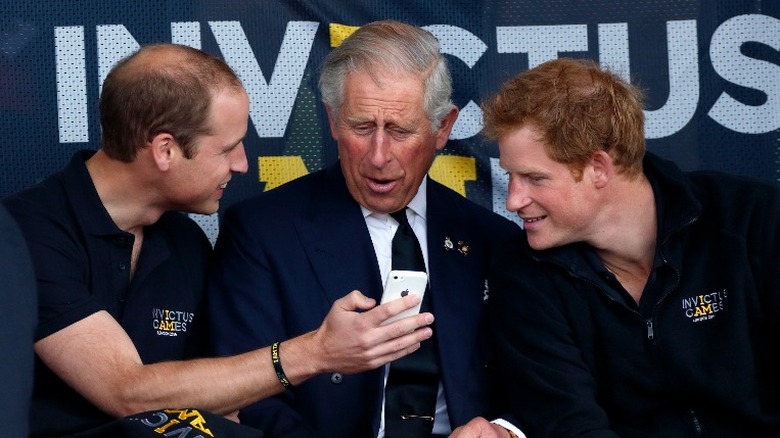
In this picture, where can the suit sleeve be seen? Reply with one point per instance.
(246, 312)
(545, 383)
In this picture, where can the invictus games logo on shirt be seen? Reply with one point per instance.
(175, 422)
(705, 306)
(170, 322)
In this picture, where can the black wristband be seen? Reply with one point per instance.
(278, 366)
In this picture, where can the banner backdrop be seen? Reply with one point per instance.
(710, 68)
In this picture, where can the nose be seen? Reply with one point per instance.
(379, 149)
(518, 196)
(238, 162)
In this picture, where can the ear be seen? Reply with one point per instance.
(332, 121)
(443, 132)
(164, 150)
(603, 169)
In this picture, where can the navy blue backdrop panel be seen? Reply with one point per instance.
(710, 69)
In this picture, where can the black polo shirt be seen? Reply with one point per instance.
(82, 266)
(17, 325)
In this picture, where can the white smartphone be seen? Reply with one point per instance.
(400, 284)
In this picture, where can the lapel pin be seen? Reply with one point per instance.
(463, 248)
(448, 243)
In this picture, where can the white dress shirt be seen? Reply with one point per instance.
(382, 228)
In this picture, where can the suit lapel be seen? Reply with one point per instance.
(336, 241)
(452, 272)
(457, 288)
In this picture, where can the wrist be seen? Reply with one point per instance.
(276, 360)
(312, 347)
(300, 359)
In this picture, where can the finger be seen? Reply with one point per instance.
(457, 433)
(354, 300)
(394, 353)
(476, 428)
(407, 325)
(394, 307)
(399, 345)
(401, 337)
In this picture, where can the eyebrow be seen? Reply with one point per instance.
(386, 122)
(524, 171)
(233, 146)
(353, 119)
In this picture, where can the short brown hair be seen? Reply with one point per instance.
(578, 108)
(161, 88)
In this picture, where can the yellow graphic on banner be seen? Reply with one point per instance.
(451, 170)
(340, 32)
(275, 171)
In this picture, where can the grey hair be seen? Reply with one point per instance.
(394, 46)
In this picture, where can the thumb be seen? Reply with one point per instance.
(355, 300)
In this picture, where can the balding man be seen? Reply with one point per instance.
(120, 272)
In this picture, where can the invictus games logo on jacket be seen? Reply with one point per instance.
(704, 307)
(170, 322)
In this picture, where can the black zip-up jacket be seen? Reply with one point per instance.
(576, 356)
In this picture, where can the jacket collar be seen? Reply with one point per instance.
(676, 203)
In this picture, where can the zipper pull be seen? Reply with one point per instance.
(650, 333)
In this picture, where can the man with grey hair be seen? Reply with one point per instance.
(387, 94)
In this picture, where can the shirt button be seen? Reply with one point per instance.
(122, 266)
(336, 378)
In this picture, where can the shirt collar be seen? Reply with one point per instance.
(418, 204)
(81, 191)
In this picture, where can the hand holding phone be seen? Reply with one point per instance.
(400, 284)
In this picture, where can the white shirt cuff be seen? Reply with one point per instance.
(507, 425)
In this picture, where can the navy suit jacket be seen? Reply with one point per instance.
(283, 258)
